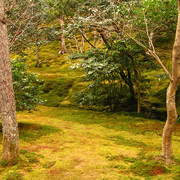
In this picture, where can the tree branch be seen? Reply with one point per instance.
(151, 52)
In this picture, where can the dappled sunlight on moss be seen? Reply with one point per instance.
(71, 143)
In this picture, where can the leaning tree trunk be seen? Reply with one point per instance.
(7, 101)
(167, 151)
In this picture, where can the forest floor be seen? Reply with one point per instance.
(74, 144)
(66, 143)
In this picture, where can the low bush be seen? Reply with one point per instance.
(26, 85)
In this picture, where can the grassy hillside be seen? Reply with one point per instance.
(61, 82)
(69, 143)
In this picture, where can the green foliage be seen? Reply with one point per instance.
(157, 18)
(61, 9)
(26, 86)
(111, 74)
(150, 14)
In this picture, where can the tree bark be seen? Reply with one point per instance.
(7, 101)
(167, 151)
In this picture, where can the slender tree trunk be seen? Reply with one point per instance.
(63, 45)
(137, 86)
(98, 42)
(83, 45)
(7, 101)
(130, 84)
(86, 39)
(70, 45)
(138, 96)
(37, 56)
(78, 47)
(167, 151)
(95, 38)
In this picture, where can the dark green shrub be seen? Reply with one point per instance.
(111, 74)
(26, 85)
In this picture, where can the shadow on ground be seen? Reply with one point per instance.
(31, 132)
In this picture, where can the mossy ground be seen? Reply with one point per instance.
(71, 143)
(63, 142)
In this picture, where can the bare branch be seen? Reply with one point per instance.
(150, 52)
(18, 35)
(9, 5)
(23, 15)
(148, 35)
(161, 64)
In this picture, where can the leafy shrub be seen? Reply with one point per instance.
(111, 75)
(26, 85)
(102, 96)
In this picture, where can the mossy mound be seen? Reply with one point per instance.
(55, 90)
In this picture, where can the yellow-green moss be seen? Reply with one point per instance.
(72, 143)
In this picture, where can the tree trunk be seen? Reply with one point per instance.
(70, 45)
(37, 56)
(138, 96)
(137, 86)
(83, 45)
(7, 101)
(95, 38)
(167, 151)
(78, 47)
(63, 45)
